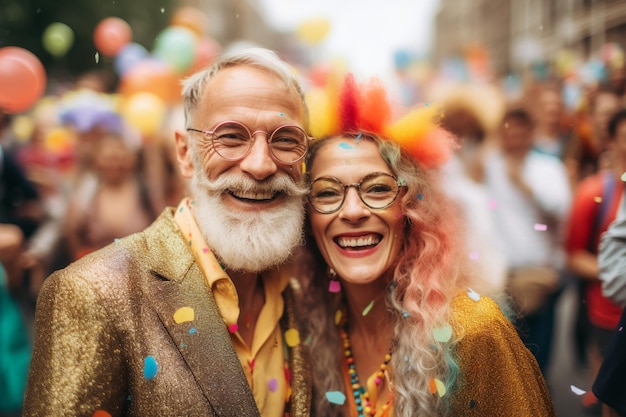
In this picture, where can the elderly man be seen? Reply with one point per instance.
(194, 316)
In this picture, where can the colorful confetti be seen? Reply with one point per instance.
(184, 314)
(150, 367)
(359, 136)
(541, 227)
(193, 330)
(420, 197)
(472, 403)
(233, 328)
(436, 386)
(338, 315)
(474, 256)
(442, 334)
(493, 204)
(623, 178)
(292, 337)
(597, 199)
(367, 308)
(281, 114)
(344, 145)
(334, 286)
(577, 390)
(205, 250)
(272, 384)
(405, 314)
(97, 57)
(336, 397)
(473, 294)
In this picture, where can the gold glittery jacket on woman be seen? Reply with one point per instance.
(107, 344)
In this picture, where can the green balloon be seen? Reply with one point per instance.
(58, 39)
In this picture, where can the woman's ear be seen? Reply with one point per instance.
(184, 154)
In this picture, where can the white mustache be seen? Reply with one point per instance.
(276, 184)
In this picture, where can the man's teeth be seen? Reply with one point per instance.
(350, 242)
(253, 195)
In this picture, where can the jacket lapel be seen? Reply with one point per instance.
(203, 340)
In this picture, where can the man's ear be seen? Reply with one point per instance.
(184, 154)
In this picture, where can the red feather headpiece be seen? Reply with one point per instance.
(354, 108)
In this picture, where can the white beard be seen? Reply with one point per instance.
(248, 241)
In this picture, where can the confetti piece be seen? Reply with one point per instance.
(436, 386)
(116, 240)
(233, 328)
(180, 209)
(183, 345)
(303, 168)
(272, 384)
(442, 334)
(420, 197)
(406, 358)
(205, 250)
(577, 390)
(251, 363)
(292, 337)
(492, 204)
(597, 199)
(344, 145)
(474, 256)
(338, 314)
(359, 136)
(281, 114)
(473, 295)
(193, 330)
(97, 57)
(405, 314)
(150, 367)
(101, 413)
(620, 329)
(184, 314)
(367, 308)
(336, 397)
(541, 227)
(472, 403)
(623, 178)
(334, 286)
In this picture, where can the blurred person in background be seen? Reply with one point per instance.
(15, 339)
(530, 196)
(594, 207)
(548, 110)
(195, 315)
(588, 149)
(118, 206)
(473, 125)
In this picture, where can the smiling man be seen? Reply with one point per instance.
(195, 315)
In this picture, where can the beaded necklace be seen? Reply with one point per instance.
(361, 396)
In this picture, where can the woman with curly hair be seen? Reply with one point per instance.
(398, 325)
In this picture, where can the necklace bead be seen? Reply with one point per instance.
(361, 396)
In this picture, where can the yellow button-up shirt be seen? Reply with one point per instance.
(264, 362)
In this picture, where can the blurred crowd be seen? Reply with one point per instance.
(75, 175)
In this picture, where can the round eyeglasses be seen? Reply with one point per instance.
(377, 190)
(233, 141)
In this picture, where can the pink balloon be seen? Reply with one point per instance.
(111, 35)
(22, 79)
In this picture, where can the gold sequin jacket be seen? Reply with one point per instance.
(106, 343)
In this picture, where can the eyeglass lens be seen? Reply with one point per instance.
(233, 140)
(377, 191)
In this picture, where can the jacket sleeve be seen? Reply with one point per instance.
(499, 376)
(612, 258)
(77, 365)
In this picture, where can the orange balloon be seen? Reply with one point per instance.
(22, 79)
(111, 35)
(151, 76)
(191, 18)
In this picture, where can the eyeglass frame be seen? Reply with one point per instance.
(211, 134)
(400, 183)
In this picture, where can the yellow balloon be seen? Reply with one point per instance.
(145, 112)
(313, 30)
